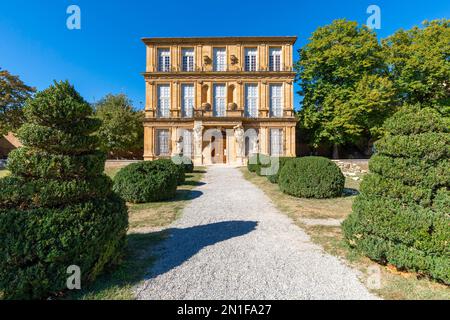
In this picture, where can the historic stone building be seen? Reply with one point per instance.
(219, 99)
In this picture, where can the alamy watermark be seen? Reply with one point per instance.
(73, 21)
(73, 282)
(374, 20)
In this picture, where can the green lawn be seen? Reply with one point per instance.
(394, 284)
(146, 224)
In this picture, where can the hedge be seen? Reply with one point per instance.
(402, 216)
(185, 162)
(281, 163)
(38, 245)
(32, 162)
(147, 181)
(170, 166)
(411, 171)
(18, 192)
(257, 162)
(426, 146)
(55, 140)
(311, 177)
(57, 207)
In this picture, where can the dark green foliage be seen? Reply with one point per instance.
(402, 214)
(55, 140)
(18, 192)
(258, 161)
(185, 162)
(147, 181)
(170, 166)
(57, 208)
(13, 94)
(281, 162)
(252, 163)
(311, 177)
(121, 132)
(31, 162)
(37, 245)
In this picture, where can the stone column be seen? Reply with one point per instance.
(148, 143)
(239, 137)
(198, 143)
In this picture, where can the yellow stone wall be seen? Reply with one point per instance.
(203, 77)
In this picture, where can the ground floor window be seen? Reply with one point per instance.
(276, 142)
(187, 144)
(162, 142)
(251, 142)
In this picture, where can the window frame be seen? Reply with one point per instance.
(158, 152)
(167, 99)
(280, 151)
(224, 97)
(183, 100)
(166, 64)
(273, 64)
(215, 59)
(190, 65)
(272, 114)
(251, 66)
(247, 98)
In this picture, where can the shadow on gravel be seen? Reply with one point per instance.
(182, 244)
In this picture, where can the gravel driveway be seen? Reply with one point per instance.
(232, 243)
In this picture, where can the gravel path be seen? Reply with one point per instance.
(232, 243)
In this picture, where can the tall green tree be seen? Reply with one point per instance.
(346, 92)
(13, 94)
(122, 131)
(419, 64)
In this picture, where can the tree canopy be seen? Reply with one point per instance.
(419, 64)
(346, 91)
(121, 131)
(13, 94)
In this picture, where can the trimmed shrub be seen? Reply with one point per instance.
(175, 169)
(147, 181)
(185, 162)
(311, 177)
(401, 216)
(258, 161)
(57, 208)
(273, 178)
(252, 163)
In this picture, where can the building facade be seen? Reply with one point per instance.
(219, 99)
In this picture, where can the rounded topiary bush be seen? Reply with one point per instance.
(147, 181)
(172, 167)
(401, 216)
(281, 163)
(311, 177)
(57, 208)
(185, 162)
(258, 161)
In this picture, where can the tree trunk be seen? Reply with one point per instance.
(335, 151)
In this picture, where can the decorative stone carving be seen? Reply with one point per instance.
(206, 106)
(232, 106)
(198, 139)
(234, 59)
(179, 149)
(206, 59)
(239, 136)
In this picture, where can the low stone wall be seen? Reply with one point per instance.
(353, 168)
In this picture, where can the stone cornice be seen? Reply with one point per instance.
(220, 40)
(219, 75)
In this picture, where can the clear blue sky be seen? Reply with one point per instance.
(107, 56)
